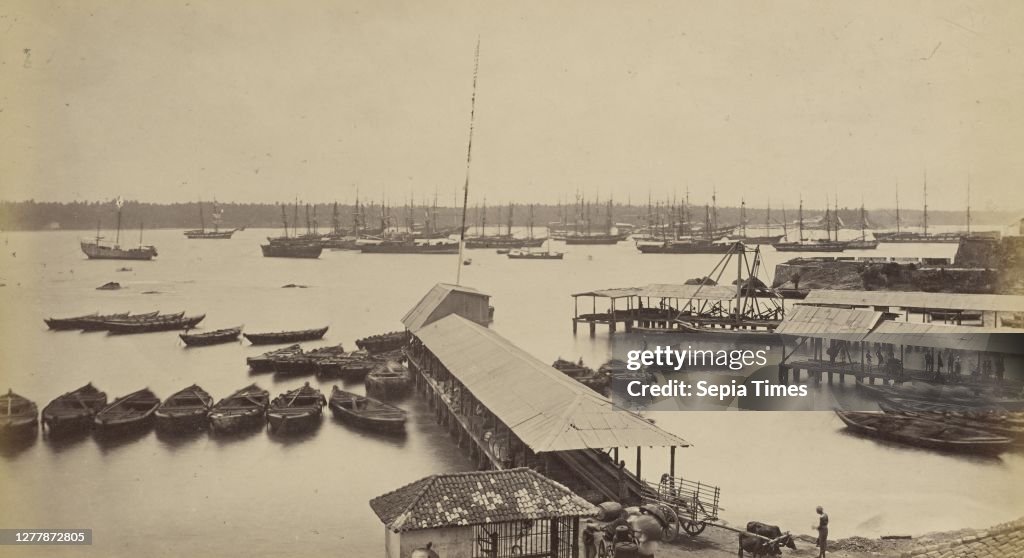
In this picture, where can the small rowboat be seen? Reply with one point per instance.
(19, 417)
(265, 362)
(73, 411)
(99, 323)
(301, 363)
(383, 342)
(131, 412)
(186, 410)
(298, 410)
(924, 433)
(159, 323)
(388, 380)
(77, 322)
(1008, 428)
(241, 410)
(285, 336)
(992, 413)
(366, 412)
(350, 367)
(211, 337)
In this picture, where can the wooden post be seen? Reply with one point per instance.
(638, 448)
(554, 538)
(593, 329)
(672, 461)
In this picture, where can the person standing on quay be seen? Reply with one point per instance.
(822, 528)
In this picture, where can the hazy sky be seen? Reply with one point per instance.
(264, 101)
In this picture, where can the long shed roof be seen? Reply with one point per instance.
(942, 336)
(545, 409)
(828, 323)
(666, 290)
(917, 299)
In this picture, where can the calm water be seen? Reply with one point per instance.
(261, 496)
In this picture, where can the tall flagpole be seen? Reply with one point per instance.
(469, 157)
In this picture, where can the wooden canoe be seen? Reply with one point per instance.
(129, 413)
(383, 342)
(1002, 428)
(186, 410)
(19, 417)
(73, 411)
(924, 433)
(211, 337)
(366, 412)
(294, 411)
(99, 323)
(159, 323)
(243, 409)
(285, 336)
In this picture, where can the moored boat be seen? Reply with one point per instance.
(129, 413)
(301, 362)
(298, 410)
(924, 433)
(158, 323)
(99, 323)
(383, 342)
(80, 322)
(993, 424)
(597, 381)
(388, 380)
(265, 362)
(73, 411)
(366, 412)
(211, 337)
(241, 410)
(186, 410)
(19, 417)
(285, 336)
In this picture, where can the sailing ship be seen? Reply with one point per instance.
(505, 241)
(609, 235)
(708, 243)
(305, 246)
(863, 243)
(815, 244)
(99, 250)
(216, 233)
(766, 238)
(901, 236)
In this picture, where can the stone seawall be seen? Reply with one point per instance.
(1002, 541)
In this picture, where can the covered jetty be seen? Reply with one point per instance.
(510, 410)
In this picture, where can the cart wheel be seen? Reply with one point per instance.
(604, 549)
(693, 528)
(671, 530)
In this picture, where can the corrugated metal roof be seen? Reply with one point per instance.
(547, 410)
(477, 498)
(941, 336)
(828, 323)
(917, 299)
(415, 318)
(665, 290)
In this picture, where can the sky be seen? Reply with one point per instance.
(264, 101)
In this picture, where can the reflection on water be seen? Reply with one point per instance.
(208, 486)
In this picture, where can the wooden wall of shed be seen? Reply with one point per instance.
(470, 306)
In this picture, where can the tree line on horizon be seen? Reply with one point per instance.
(78, 215)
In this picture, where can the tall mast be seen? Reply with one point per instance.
(800, 214)
(469, 154)
(483, 217)
(743, 216)
(510, 219)
(897, 207)
(785, 226)
(835, 215)
(284, 219)
(968, 204)
(120, 203)
(202, 221)
(530, 222)
(926, 203)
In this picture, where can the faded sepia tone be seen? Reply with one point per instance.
(380, 279)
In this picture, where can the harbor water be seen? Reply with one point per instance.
(260, 495)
